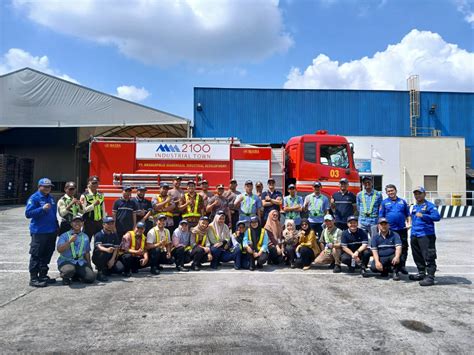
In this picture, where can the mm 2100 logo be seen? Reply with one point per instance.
(168, 148)
(185, 148)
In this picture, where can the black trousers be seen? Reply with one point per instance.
(41, 250)
(306, 257)
(198, 255)
(92, 227)
(403, 233)
(365, 258)
(235, 219)
(386, 262)
(158, 257)
(290, 251)
(317, 228)
(260, 261)
(181, 256)
(273, 256)
(131, 262)
(101, 259)
(424, 254)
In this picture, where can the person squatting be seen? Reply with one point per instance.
(363, 233)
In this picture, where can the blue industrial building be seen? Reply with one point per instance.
(275, 115)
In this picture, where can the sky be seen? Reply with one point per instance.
(156, 52)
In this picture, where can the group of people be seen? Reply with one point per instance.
(180, 227)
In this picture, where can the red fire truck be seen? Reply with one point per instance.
(151, 161)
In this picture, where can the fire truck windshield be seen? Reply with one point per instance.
(334, 155)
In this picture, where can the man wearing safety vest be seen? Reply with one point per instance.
(68, 206)
(317, 206)
(206, 195)
(256, 244)
(94, 209)
(201, 247)
(368, 205)
(192, 205)
(238, 243)
(293, 205)
(74, 254)
(158, 244)
(249, 203)
(134, 254)
(218, 203)
(163, 205)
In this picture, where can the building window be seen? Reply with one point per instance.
(431, 182)
(310, 152)
(334, 155)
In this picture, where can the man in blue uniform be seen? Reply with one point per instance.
(423, 238)
(343, 202)
(125, 212)
(144, 208)
(397, 212)
(41, 209)
(368, 204)
(271, 199)
(386, 247)
(354, 242)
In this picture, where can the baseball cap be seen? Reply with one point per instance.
(241, 222)
(328, 217)
(141, 225)
(204, 218)
(204, 182)
(419, 189)
(270, 180)
(141, 188)
(77, 217)
(366, 177)
(343, 181)
(45, 182)
(383, 220)
(178, 178)
(108, 219)
(126, 188)
(94, 179)
(259, 183)
(70, 184)
(317, 184)
(183, 221)
(220, 212)
(249, 182)
(191, 182)
(161, 216)
(352, 218)
(291, 186)
(254, 219)
(233, 181)
(165, 185)
(220, 186)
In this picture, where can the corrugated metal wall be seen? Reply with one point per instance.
(275, 115)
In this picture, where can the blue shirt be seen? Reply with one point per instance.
(396, 211)
(289, 201)
(317, 207)
(42, 221)
(385, 246)
(273, 195)
(423, 226)
(249, 206)
(124, 210)
(344, 205)
(370, 215)
(67, 256)
(353, 241)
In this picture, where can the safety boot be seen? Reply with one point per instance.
(417, 277)
(427, 281)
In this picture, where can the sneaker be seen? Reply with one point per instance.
(181, 269)
(332, 266)
(351, 270)
(127, 274)
(37, 283)
(252, 268)
(417, 277)
(364, 272)
(427, 281)
(293, 266)
(101, 277)
(195, 268)
(337, 269)
(396, 276)
(47, 279)
(154, 271)
(403, 270)
(66, 281)
(306, 268)
(384, 274)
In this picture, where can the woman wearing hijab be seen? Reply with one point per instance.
(219, 238)
(181, 248)
(256, 244)
(238, 243)
(290, 242)
(308, 248)
(273, 228)
(201, 247)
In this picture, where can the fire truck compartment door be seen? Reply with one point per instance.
(254, 170)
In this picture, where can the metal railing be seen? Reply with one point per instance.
(444, 198)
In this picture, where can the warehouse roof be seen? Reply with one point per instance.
(30, 98)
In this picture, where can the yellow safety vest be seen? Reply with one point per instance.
(260, 240)
(160, 199)
(203, 240)
(191, 212)
(157, 236)
(90, 199)
(134, 241)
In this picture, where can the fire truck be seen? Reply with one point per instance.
(152, 161)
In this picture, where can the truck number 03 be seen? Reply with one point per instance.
(334, 173)
(196, 148)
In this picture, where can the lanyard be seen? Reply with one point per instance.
(73, 247)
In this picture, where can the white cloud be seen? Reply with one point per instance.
(132, 93)
(442, 66)
(17, 58)
(466, 7)
(168, 31)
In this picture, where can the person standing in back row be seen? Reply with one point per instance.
(271, 199)
(68, 207)
(343, 203)
(41, 209)
(368, 204)
(94, 209)
(317, 206)
(125, 212)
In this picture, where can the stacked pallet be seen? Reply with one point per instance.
(8, 182)
(25, 183)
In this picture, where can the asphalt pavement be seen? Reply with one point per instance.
(277, 310)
